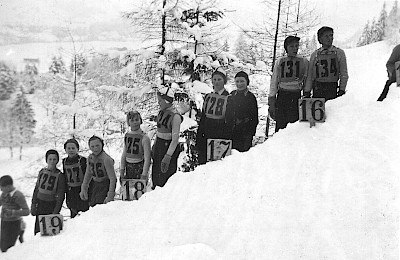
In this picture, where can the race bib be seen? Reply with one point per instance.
(327, 67)
(48, 182)
(292, 69)
(214, 106)
(132, 189)
(312, 110)
(74, 174)
(50, 225)
(218, 148)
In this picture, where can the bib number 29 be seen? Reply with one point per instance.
(312, 109)
(50, 225)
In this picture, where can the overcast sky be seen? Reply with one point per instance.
(345, 16)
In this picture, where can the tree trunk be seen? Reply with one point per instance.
(276, 35)
(11, 152)
(20, 152)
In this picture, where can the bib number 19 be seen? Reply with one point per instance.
(50, 225)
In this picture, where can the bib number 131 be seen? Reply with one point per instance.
(312, 110)
(50, 225)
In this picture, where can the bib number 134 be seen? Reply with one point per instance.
(312, 109)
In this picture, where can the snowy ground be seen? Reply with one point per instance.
(327, 192)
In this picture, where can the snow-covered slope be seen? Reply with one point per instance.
(327, 192)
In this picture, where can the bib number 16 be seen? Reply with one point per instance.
(312, 110)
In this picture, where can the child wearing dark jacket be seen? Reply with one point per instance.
(48, 195)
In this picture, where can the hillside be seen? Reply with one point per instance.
(327, 192)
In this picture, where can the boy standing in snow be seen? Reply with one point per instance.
(165, 150)
(136, 155)
(287, 81)
(327, 66)
(14, 206)
(48, 195)
(242, 113)
(74, 168)
(212, 124)
(100, 167)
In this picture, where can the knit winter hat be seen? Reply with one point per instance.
(289, 40)
(167, 92)
(51, 151)
(322, 30)
(221, 72)
(71, 141)
(243, 75)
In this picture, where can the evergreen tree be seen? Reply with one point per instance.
(381, 24)
(78, 64)
(8, 81)
(23, 122)
(225, 47)
(392, 27)
(242, 47)
(365, 37)
(57, 65)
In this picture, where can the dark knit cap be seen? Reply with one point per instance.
(243, 75)
(51, 151)
(71, 141)
(222, 72)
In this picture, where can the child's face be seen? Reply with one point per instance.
(326, 38)
(71, 149)
(52, 161)
(6, 188)
(241, 83)
(134, 122)
(292, 49)
(218, 82)
(95, 146)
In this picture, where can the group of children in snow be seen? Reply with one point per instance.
(225, 116)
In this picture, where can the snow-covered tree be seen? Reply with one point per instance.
(283, 18)
(22, 122)
(57, 65)
(8, 81)
(393, 24)
(365, 37)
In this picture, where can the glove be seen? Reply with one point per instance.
(340, 93)
(110, 197)
(165, 163)
(272, 106)
(306, 94)
(84, 194)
